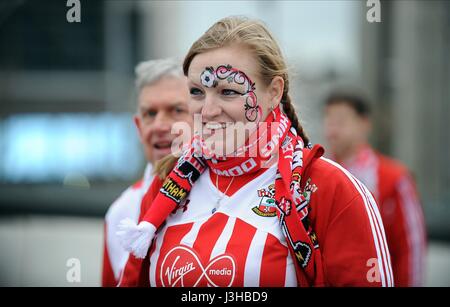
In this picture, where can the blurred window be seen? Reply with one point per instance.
(46, 148)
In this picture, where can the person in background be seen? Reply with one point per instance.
(162, 100)
(347, 127)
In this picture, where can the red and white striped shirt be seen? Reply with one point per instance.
(235, 246)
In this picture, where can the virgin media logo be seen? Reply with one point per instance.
(182, 267)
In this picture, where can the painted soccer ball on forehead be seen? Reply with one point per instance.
(210, 78)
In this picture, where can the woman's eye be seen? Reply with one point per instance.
(230, 92)
(195, 91)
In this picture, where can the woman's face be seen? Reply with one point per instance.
(226, 89)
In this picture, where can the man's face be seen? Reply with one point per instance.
(159, 106)
(344, 128)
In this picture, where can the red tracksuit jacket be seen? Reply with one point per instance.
(401, 211)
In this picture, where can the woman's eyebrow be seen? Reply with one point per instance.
(220, 82)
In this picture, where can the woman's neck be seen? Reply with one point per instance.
(224, 182)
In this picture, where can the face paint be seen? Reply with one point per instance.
(210, 77)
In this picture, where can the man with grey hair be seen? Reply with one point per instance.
(162, 100)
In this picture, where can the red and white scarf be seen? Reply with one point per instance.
(280, 140)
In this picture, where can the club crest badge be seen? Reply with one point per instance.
(266, 206)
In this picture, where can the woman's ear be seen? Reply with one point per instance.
(276, 89)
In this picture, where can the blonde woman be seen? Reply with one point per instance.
(263, 210)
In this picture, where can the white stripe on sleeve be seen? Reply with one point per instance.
(376, 224)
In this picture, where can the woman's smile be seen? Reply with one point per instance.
(212, 128)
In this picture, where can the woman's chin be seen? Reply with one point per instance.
(219, 148)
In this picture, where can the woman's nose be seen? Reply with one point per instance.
(210, 109)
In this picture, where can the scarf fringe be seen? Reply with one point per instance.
(136, 238)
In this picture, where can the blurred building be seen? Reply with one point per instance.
(406, 68)
(68, 146)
